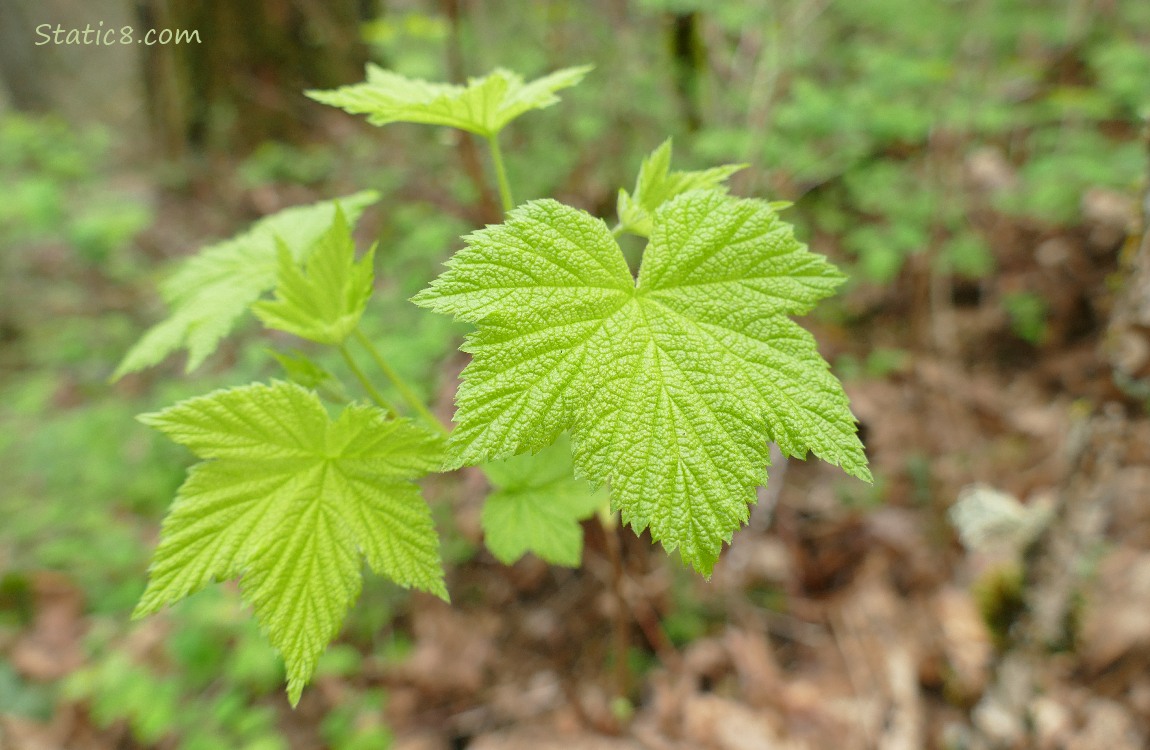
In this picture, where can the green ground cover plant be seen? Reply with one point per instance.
(872, 117)
(670, 382)
(51, 174)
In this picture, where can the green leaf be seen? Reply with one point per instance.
(671, 386)
(323, 303)
(210, 291)
(484, 106)
(301, 369)
(536, 507)
(289, 499)
(657, 184)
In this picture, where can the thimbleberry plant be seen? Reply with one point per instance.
(589, 387)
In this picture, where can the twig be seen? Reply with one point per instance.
(647, 618)
(621, 637)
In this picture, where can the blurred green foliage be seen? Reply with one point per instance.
(1066, 161)
(357, 724)
(879, 364)
(54, 190)
(200, 683)
(274, 162)
(1027, 312)
(868, 110)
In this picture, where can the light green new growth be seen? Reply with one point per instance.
(484, 106)
(324, 303)
(302, 369)
(657, 184)
(671, 386)
(536, 507)
(210, 291)
(290, 500)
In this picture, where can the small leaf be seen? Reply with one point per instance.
(209, 292)
(671, 387)
(536, 507)
(657, 184)
(289, 500)
(484, 106)
(305, 371)
(323, 303)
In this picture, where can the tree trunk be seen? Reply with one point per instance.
(243, 83)
(18, 69)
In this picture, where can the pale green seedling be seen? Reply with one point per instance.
(670, 386)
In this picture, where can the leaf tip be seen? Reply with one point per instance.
(295, 691)
(143, 610)
(703, 563)
(150, 603)
(425, 297)
(439, 590)
(150, 418)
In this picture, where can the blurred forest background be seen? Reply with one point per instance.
(979, 167)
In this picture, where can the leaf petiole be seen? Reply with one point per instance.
(374, 393)
(409, 396)
(500, 173)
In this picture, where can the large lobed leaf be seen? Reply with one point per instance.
(671, 386)
(484, 106)
(210, 291)
(289, 499)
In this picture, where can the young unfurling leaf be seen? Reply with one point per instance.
(290, 500)
(671, 386)
(484, 106)
(302, 369)
(657, 184)
(324, 302)
(210, 291)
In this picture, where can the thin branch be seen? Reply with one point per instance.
(619, 620)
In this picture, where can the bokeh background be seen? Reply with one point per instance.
(979, 167)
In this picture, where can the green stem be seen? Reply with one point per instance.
(409, 396)
(618, 230)
(376, 396)
(500, 173)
